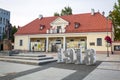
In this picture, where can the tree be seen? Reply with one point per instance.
(65, 11)
(56, 14)
(14, 30)
(115, 17)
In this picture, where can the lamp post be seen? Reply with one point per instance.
(107, 35)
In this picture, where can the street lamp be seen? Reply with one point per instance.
(107, 35)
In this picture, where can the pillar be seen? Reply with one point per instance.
(29, 45)
(47, 44)
(64, 43)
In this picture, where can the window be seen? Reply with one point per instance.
(76, 24)
(82, 40)
(58, 41)
(38, 40)
(99, 41)
(0, 30)
(58, 28)
(3, 20)
(21, 42)
(0, 20)
(71, 39)
(0, 38)
(42, 27)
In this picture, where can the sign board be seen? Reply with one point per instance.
(116, 47)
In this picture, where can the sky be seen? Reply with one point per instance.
(25, 11)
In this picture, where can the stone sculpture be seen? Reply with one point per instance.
(72, 56)
(90, 57)
(79, 56)
(8, 29)
(69, 54)
(60, 55)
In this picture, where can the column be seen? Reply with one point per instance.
(64, 43)
(46, 44)
(29, 45)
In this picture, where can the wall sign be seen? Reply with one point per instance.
(117, 48)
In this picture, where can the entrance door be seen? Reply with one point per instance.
(83, 44)
(53, 48)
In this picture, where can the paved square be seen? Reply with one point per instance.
(51, 71)
(13, 68)
(48, 74)
(105, 71)
(100, 74)
(110, 65)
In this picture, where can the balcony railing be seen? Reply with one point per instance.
(54, 31)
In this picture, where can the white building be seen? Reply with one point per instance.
(4, 17)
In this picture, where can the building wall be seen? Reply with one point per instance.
(4, 17)
(89, 38)
(26, 42)
(93, 38)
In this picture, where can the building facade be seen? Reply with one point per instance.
(4, 18)
(72, 31)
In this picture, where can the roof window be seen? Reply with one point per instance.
(42, 27)
(76, 25)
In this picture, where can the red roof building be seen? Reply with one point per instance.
(69, 31)
(88, 23)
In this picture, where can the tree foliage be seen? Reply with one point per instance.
(115, 17)
(56, 14)
(14, 30)
(65, 11)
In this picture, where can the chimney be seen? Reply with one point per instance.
(92, 11)
(40, 16)
(103, 13)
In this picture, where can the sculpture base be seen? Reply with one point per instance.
(7, 45)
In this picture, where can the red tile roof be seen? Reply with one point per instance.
(88, 23)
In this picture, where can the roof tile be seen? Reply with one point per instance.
(88, 23)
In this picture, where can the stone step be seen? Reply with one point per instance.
(32, 62)
(27, 58)
(29, 55)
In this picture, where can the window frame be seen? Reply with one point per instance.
(21, 42)
(99, 42)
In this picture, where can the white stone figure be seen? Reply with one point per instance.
(69, 54)
(79, 56)
(93, 56)
(60, 55)
(90, 57)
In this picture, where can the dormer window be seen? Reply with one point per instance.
(42, 27)
(76, 25)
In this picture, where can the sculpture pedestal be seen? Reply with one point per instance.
(7, 45)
